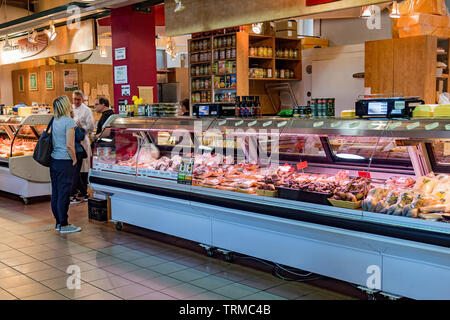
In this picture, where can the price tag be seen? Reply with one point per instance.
(318, 124)
(364, 174)
(413, 125)
(239, 123)
(302, 165)
(221, 123)
(281, 124)
(267, 123)
(336, 124)
(447, 127)
(251, 124)
(432, 126)
(354, 124)
(395, 125)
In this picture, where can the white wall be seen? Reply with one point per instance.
(331, 76)
(342, 32)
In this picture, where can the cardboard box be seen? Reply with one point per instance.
(286, 25)
(314, 41)
(268, 29)
(422, 24)
(287, 34)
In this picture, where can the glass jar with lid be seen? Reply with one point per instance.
(291, 53)
(260, 52)
(270, 52)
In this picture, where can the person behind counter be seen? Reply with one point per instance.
(62, 163)
(84, 118)
(184, 108)
(102, 106)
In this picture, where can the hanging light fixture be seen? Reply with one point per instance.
(179, 6)
(171, 48)
(51, 32)
(32, 36)
(7, 45)
(395, 12)
(103, 52)
(366, 12)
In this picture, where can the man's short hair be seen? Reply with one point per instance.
(78, 93)
(103, 101)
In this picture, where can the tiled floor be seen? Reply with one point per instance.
(120, 265)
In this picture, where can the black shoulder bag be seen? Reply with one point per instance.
(44, 147)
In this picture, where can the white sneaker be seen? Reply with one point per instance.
(74, 200)
(69, 229)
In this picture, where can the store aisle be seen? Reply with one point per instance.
(119, 265)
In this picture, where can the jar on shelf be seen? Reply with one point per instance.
(197, 70)
(202, 70)
(269, 73)
(296, 54)
(219, 43)
(215, 42)
(215, 68)
(206, 85)
(233, 53)
(222, 54)
(286, 53)
(265, 51)
(205, 45)
(264, 73)
(251, 52)
(282, 73)
(291, 74)
(260, 52)
(277, 73)
(228, 53)
(216, 54)
(230, 41)
(233, 40)
(234, 67)
(270, 52)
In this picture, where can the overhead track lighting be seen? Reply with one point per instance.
(51, 32)
(32, 36)
(395, 12)
(103, 52)
(179, 6)
(7, 45)
(366, 12)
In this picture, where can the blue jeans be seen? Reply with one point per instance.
(61, 174)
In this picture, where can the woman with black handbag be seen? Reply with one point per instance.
(62, 163)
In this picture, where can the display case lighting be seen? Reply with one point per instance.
(349, 156)
(7, 44)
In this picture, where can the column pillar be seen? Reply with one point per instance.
(134, 31)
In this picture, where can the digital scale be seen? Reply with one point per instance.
(214, 110)
(396, 107)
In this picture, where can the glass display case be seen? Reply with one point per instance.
(354, 192)
(290, 159)
(20, 174)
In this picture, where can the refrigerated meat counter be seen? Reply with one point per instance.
(19, 173)
(337, 197)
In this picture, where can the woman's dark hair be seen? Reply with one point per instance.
(185, 103)
(103, 101)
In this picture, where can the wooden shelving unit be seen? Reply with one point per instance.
(245, 85)
(442, 81)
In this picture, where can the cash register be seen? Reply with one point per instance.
(394, 107)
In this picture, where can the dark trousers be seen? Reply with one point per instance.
(78, 183)
(61, 174)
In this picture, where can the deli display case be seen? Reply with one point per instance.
(337, 197)
(19, 173)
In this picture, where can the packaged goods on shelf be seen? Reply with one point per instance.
(286, 25)
(287, 34)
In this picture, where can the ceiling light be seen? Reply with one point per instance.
(32, 36)
(51, 32)
(349, 156)
(395, 12)
(7, 44)
(366, 12)
(179, 6)
(103, 52)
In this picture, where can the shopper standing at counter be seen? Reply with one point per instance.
(84, 118)
(184, 108)
(62, 163)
